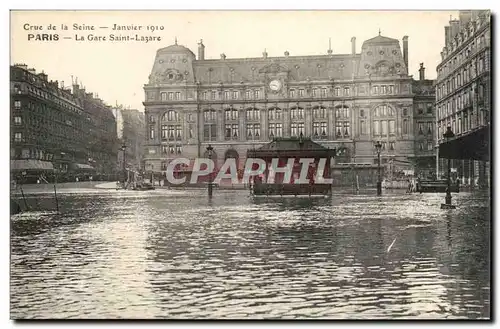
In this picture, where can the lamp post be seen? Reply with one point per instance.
(378, 147)
(123, 148)
(210, 187)
(447, 205)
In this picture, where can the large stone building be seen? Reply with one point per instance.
(346, 101)
(55, 130)
(463, 101)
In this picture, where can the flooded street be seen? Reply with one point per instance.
(175, 254)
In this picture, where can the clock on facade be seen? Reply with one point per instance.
(275, 85)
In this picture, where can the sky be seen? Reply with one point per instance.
(117, 71)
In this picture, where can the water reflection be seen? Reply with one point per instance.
(174, 254)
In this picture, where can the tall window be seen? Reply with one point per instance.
(301, 92)
(314, 92)
(429, 127)
(170, 96)
(213, 94)
(226, 94)
(392, 127)
(405, 126)
(297, 129)
(362, 127)
(177, 95)
(257, 94)
(232, 131)
(319, 112)
(253, 131)
(209, 115)
(171, 115)
(253, 114)
(375, 90)
(275, 130)
(163, 96)
(18, 137)
(235, 94)
(248, 94)
(420, 128)
(347, 91)
(292, 93)
(296, 113)
(323, 92)
(319, 130)
(336, 91)
(274, 113)
(151, 132)
(17, 105)
(342, 118)
(204, 95)
(209, 132)
(231, 114)
(392, 145)
(17, 120)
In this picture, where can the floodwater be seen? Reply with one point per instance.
(174, 255)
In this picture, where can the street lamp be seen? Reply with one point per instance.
(447, 205)
(210, 150)
(123, 148)
(378, 148)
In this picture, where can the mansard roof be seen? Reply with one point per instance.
(298, 68)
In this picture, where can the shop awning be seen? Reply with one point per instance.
(29, 164)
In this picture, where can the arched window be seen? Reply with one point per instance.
(384, 121)
(170, 115)
(274, 113)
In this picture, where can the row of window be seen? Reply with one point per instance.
(461, 100)
(464, 121)
(254, 114)
(61, 101)
(461, 77)
(383, 90)
(256, 94)
(319, 129)
(479, 43)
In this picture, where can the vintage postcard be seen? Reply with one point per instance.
(250, 164)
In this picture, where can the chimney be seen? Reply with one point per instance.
(405, 50)
(353, 45)
(201, 51)
(464, 16)
(447, 37)
(222, 56)
(43, 76)
(22, 66)
(455, 28)
(421, 72)
(264, 54)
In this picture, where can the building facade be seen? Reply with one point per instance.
(345, 101)
(131, 133)
(425, 125)
(52, 129)
(463, 101)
